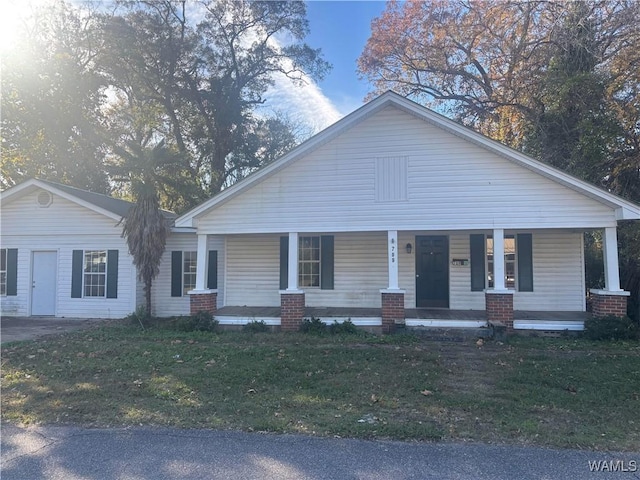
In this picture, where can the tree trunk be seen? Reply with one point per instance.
(147, 294)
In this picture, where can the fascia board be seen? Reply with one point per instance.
(25, 187)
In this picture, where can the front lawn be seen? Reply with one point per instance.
(555, 392)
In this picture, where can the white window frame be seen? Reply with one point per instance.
(3, 272)
(94, 274)
(307, 274)
(509, 284)
(190, 272)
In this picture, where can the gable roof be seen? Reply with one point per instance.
(114, 208)
(624, 209)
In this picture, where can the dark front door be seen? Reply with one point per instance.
(432, 271)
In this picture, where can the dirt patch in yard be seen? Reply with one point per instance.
(16, 329)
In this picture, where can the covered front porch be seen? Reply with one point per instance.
(454, 279)
(414, 317)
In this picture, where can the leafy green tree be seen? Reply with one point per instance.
(50, 100)
(193, 74)
(208, 77)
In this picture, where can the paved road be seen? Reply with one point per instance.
(70, 453)
(28, 328)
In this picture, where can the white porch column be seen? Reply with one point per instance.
(201, 265)
(392, 253)
(610, 254)
(498, 259)
(292, 283)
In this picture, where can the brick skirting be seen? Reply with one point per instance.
(203, 302)
(499, 307)
(291, 311)
(603, 305)
(392, 310)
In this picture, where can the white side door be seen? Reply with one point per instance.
(43, 291)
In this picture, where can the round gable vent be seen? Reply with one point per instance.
(44, 199)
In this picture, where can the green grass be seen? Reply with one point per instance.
(555, 392)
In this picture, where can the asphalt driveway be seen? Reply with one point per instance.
(14, 329)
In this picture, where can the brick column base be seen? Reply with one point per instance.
(499, 307)
(392, 310)
(203, 302)
(291, 311)
(604, 303)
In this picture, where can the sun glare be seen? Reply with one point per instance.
(13, 15)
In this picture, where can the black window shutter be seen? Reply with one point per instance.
(76, 274)
(284, 263)
(112, 273)
(476, 242)
(12, 271)
(176, 274)
(524, 248)
(326, 260)
(212, 276)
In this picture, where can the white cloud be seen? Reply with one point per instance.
(306, 103)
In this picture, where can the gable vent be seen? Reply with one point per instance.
(391, 179)
(44, 199)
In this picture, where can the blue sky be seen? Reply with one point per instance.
(341, 29)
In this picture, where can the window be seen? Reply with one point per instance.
(309, 261)
(95, 273)
(315, 262)
(3, 271)
(509, 261)
(188, 271)
(518, 262)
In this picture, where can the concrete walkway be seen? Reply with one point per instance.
(70, 453)
(13, 329)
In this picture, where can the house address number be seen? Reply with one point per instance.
(460, 262)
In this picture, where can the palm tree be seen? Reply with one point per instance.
(145, 229)
(145, 226)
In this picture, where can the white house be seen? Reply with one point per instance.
(394, 214)
(394, 209)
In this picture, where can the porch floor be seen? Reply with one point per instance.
(413, 313)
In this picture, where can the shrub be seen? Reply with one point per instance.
(611, 328)
(139, 316)
(256, 327)
(347, 327)
(200, 322)
(314, 326)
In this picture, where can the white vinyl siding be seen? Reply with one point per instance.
(452, 185)
(64, 227)
(558, 278)
(164, 305)
(253, 270)
(558, 273)
(360, 271)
